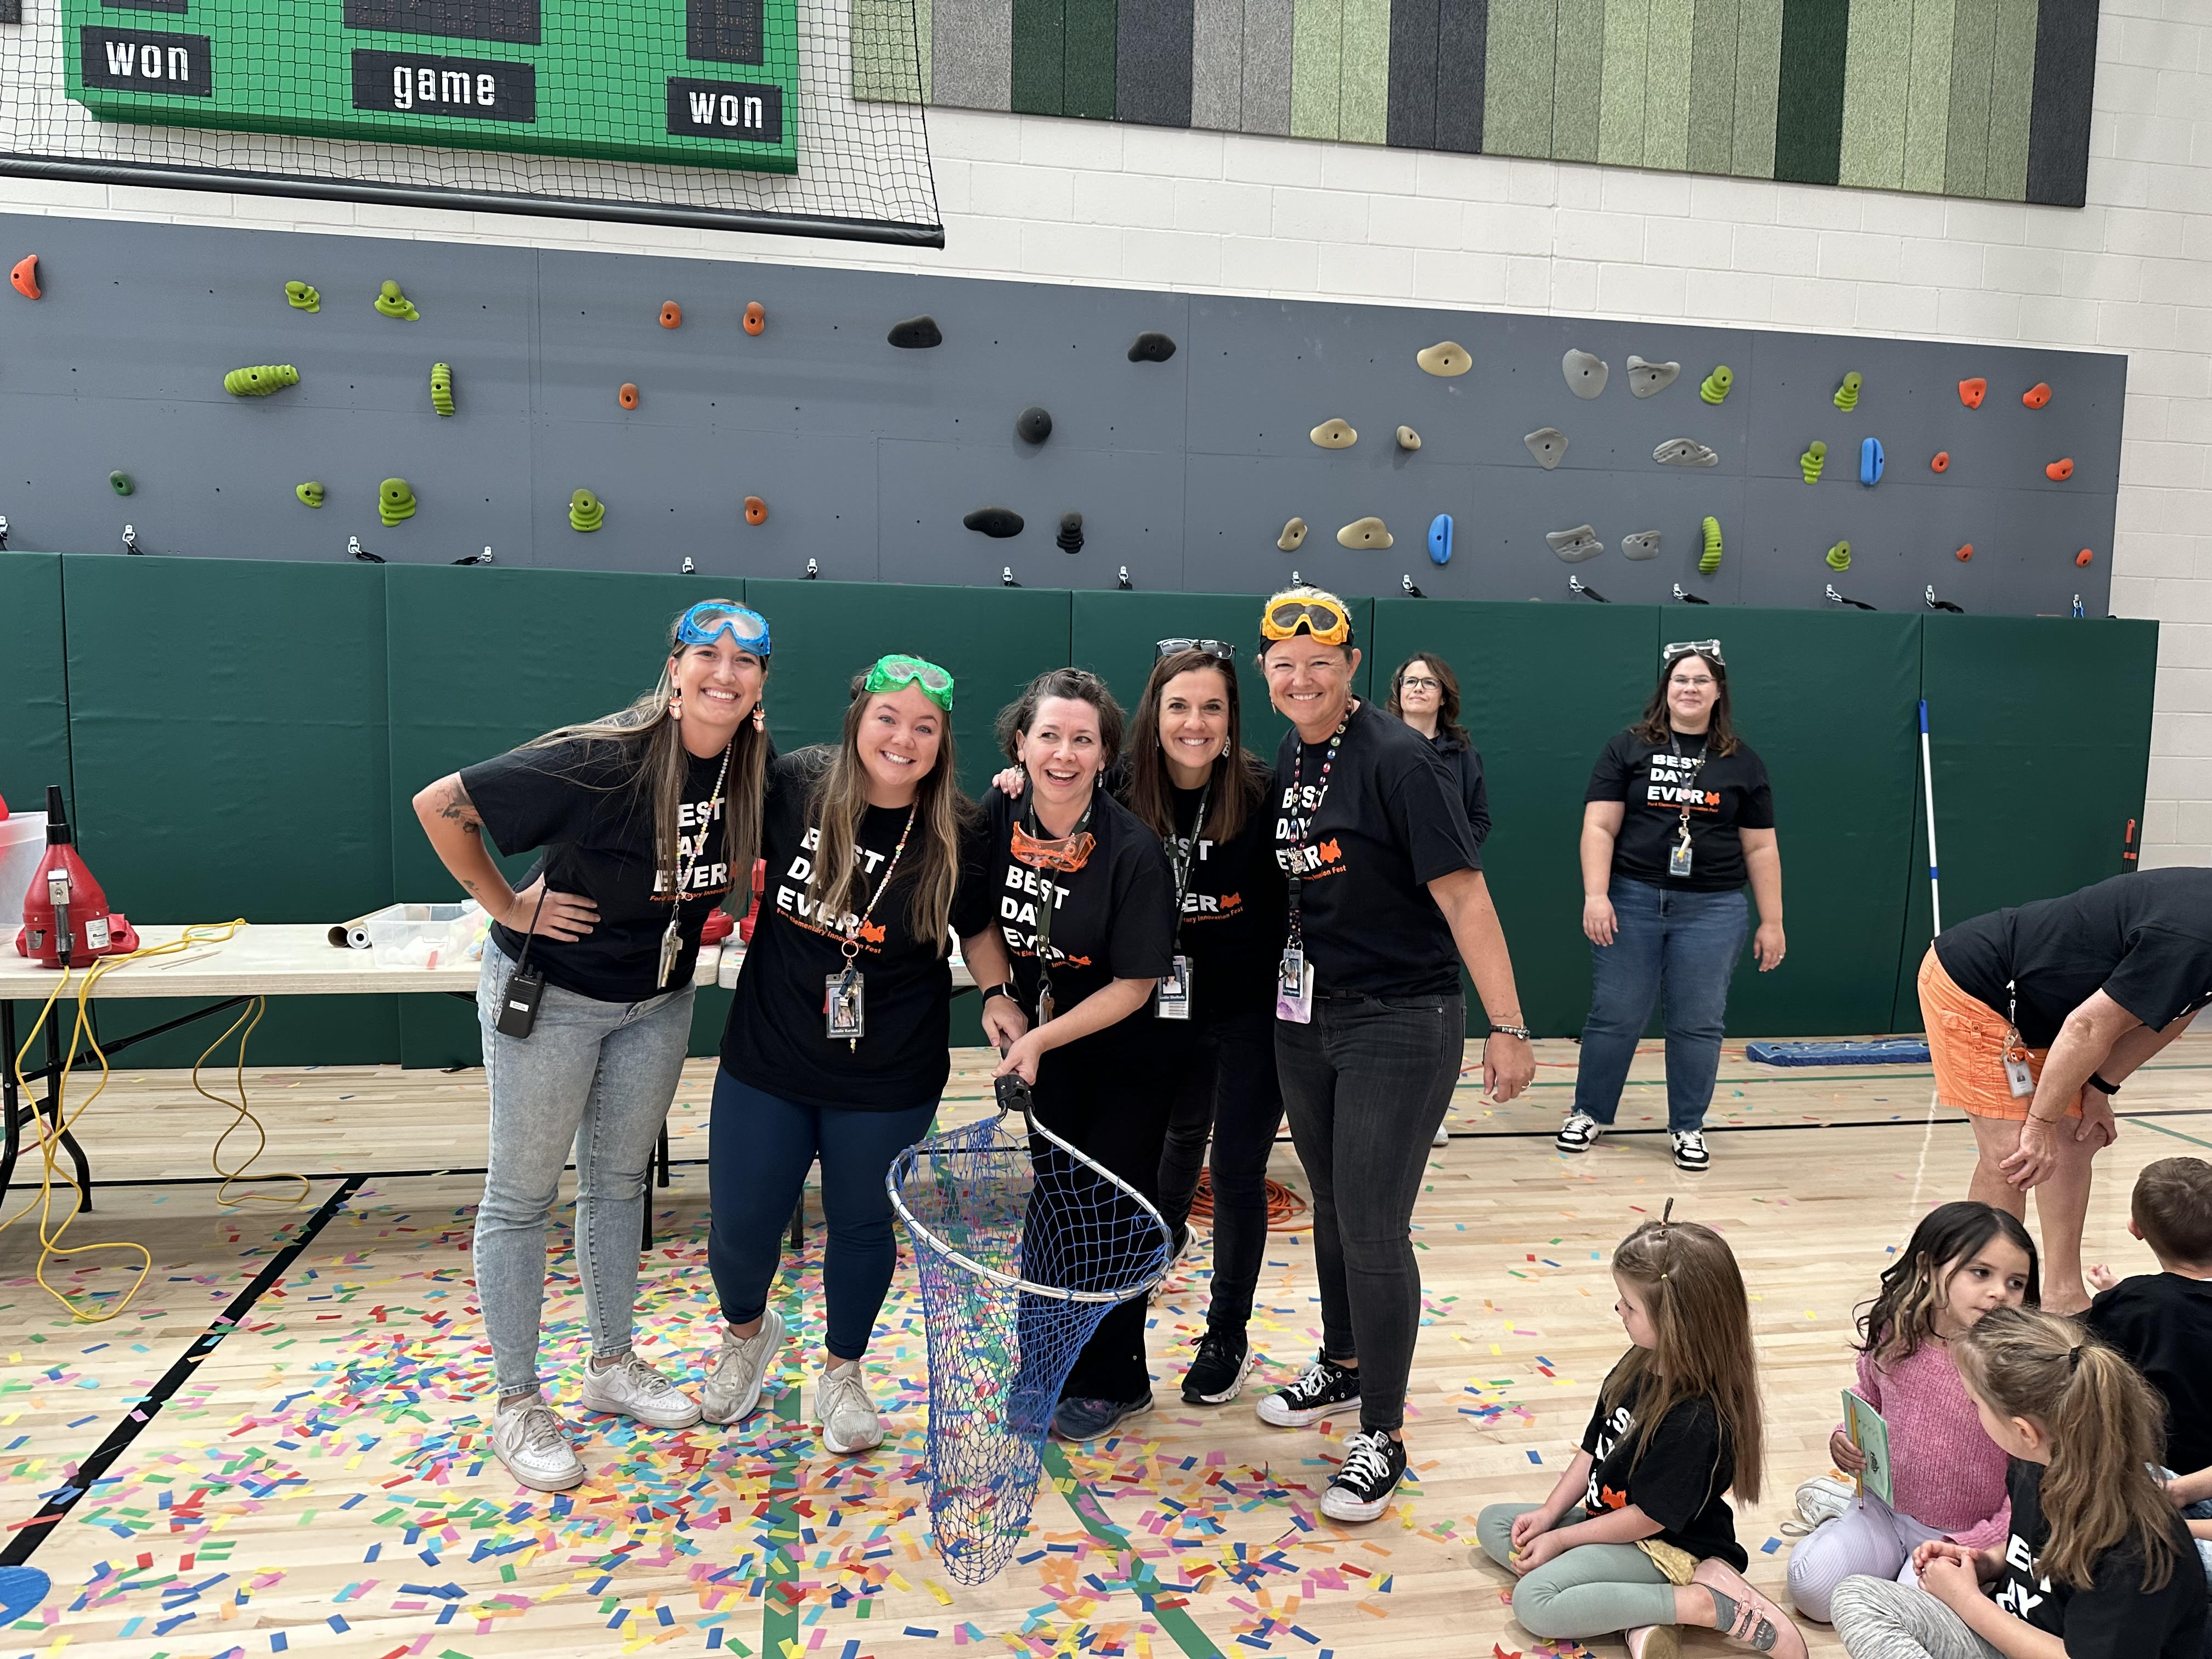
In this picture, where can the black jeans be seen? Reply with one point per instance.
(1228, 1091)
(1364, 1087)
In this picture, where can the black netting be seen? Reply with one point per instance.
(570, 108)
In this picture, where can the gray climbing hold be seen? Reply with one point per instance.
(1685, 451)
(1070, 539)
(1576, 544)
(1440, 540)
(1294, 533)
(1365, 533)
(1409, 439)
(1334, 435)
(1586, 372)
(1150, 348)
(1001, 521)
(1548, 445)
(1646, 378)
(1644, 545)
(1033, 425)
(915, 334)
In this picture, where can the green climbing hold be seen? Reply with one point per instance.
(1847, 394)
(441, 387)
(1714, 388)
(392, 303)
(301, 296)
(1839, 556)
(1709, 560)
(119, 483)
(310, 492)
(1812, 460)
(260, 380)
(395, 500)
(585, 511)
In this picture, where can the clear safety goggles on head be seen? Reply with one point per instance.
(706, 621)
(1709, 649)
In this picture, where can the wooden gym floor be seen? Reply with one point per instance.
(320, 1485)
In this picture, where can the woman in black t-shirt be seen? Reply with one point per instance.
(835, 1047)
(1086, 911)
(1678, 813)
(585, 1000)
(1386, 899)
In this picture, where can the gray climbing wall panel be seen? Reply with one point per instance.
(868, 457)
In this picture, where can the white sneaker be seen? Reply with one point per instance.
(849, 1423)
(737, 1370)
(531, 1440)
(1579, 1133)
(630, 1387)
(1690, 1151)
(1444, 1134)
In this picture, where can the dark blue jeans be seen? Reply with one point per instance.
(758, 1152)
(1228, 1093)
(1685, 943)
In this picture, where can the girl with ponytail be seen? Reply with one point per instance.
(2096, 1565)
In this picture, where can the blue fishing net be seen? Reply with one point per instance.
(1023, 1245)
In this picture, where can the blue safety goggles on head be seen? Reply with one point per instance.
(706, 621)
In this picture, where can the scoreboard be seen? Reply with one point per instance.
(688, 82)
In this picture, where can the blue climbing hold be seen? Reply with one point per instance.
(23, 1590)
(1440, 540)
(1870, 462)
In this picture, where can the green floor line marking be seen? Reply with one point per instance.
(1085, 1501)
(779, 1618)
(2163, 1130)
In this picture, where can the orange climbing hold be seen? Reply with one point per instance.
(1942, 463)
(756, 510)
(25, 277)
(671, 314)
(2060, 471)
(755, 317)
(628, 396)
(2035, 396)
(2084, 557)
(1965, 553)
(1970, 393)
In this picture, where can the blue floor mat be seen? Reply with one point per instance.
(1869, 1051)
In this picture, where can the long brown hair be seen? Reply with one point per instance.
(1690, 1283)
(1448, 725)
(655, 764)
(1239, 780)
(1901, 1314)
(837, 800)
(1654, 726)
(2106, 1425)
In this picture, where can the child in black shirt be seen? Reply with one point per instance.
(1637, 1535)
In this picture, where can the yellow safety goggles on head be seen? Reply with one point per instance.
(1323, 619)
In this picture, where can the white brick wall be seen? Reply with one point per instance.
(1032, 197)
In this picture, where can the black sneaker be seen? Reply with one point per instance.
(1373, 1465)
(1325, 1386)
(1216, 1375)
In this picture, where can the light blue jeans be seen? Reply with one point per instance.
(596, 1077)
(1685, 943)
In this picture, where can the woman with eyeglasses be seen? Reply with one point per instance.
(1679, 815)
(1424, 693)
(1086, 911)
(585, 999)
(837, 1047)
(1386, 900)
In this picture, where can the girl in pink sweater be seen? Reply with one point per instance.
(1946, 1476)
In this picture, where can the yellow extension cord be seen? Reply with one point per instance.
(49, 1131)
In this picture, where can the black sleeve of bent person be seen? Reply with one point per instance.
(1140, 938)
(1430, 820)
(1680, 1469)
(1609, 777)
(531, 797)
(2162, 974)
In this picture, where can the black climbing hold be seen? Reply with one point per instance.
(915, 334)
(1150, 348)
(1033, 425)
(994, 522)
(1070, 539)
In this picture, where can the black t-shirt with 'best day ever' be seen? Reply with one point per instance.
(775, 1038)
(580, 800)
(1725, 793)
(1391, 822)
(1113, 919)
(1232, 912)
(2114, 1618)
(2161, 1323)
(2145, 940)
(1679, 1479)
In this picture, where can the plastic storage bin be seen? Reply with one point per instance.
(425, 935)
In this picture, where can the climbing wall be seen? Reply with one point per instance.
(206, 388)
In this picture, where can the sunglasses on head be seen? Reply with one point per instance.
(705, 623)
(1219, 649)
(1709, 649)
(1323, 620)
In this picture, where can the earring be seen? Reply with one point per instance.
(760, 717)
(675, 709)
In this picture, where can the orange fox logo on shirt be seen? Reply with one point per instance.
(1330, 852)
(1612, 1499)
(872, 933)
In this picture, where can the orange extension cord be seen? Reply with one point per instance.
(1287, 1211)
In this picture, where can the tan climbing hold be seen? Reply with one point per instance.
(1409, 439)
(1365, 533)
(1294, 534)
(1445, 359)
(1334, 435)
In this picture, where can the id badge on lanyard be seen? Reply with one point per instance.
(1294, 987)
(1678, 860)
(844, 1006)
(1172, 1000)
(2018, 1078)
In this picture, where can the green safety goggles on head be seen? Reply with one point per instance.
(889, 673)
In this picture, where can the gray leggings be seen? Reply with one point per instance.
(1881, 1619)
(1593, 1589)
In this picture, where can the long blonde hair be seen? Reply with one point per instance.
(1694, 1292)
(2106, 1425)
(655, 765)
(837, 800)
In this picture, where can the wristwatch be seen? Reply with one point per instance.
(990, 990)
(2102, 1087)
(1521, 1031)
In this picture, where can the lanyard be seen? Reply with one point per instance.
(1305, 824)
(1184, 856)
(1045, 899)
(1697, 770)
(852, 946)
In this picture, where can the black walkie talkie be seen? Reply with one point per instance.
(525, 987)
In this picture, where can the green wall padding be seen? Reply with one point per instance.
(34, 733)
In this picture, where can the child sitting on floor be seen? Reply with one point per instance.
(1947, 1478)
(1637, 1535)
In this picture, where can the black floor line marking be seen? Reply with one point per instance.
(29, 1534)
